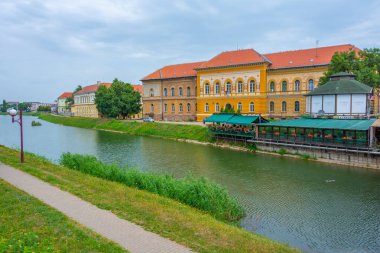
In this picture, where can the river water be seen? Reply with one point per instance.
(313, 206)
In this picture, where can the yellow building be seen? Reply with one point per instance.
(273, 84)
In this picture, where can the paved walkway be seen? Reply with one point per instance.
(130, 236)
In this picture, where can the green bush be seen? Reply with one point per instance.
(282, 151)
(200, 193)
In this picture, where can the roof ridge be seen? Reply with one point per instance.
(312, 48)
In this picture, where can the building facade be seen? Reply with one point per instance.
(169, 93)
(84, 101)
(62, 106)
(273, 85)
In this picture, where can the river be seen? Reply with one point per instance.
(313, 206)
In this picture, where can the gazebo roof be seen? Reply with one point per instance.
(341, 83)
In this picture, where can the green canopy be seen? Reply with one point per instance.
(219, 118)
(342, 124)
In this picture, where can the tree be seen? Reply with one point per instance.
(118, 100)
(42, 108)
(365, 65)
(70, 100)
(24, 106)
(4, 107)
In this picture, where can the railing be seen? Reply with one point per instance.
(315, 140)
(231, 132)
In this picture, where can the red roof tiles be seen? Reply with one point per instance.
(239, 57)
(306, 57)
(91, 88)
(137, 87)
(174, 71)
(65, 95)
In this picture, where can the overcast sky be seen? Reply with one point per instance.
(48, 47)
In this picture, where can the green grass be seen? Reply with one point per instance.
(169, 218)
(200, 193)
(28, 225)
(174, 131)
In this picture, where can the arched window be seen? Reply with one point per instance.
(297, 85)
(152, 108)
(251, 107)
(284, 86)
(206, 107)
(188, 107)
(172, 92)
(165, 107)
(180, 108)
(217, 88)
(165, 92)
(173, 108)
(311, 84)
(239, 106)
(297, 106)
(188, 91)
(240, 87)
(272, 86)
(207, 89)
(252, 86)
(151, 92)
(180, 91)
(228, 88)
(283, 106)
(217, 107)
(271, 107)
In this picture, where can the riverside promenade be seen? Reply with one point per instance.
(128, 235)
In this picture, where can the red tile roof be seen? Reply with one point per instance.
(174, 71)
(239, 57)
(306, 57)
(91, 88)
(65, 95)
(137, 87)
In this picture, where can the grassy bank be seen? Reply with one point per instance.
(190, 132)
(200, 193)
(171, 219)
(28, 225)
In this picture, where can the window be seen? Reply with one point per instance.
(271, 107)
(297, 106)
(284, 86)
(217, 87)
(239, 106)
(165, 92)
(173, 108)
(283, 106)
(180, 108)
(188, 91)
(188, 107)
(217, 107)
(180, 91)
(297, 85)
(151, 92)
(311, 84)
(152, 108)
(207, 88)
(252, 86)
(272, 86)
(172, 92)
(228, 88)
(240, 87)
(251, 107)
(165, 107)
(206, 107)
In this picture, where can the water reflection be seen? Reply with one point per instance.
(313, 206)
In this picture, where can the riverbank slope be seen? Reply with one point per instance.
(168, 218)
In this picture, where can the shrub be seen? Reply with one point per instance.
(200, 193)
(282, 151)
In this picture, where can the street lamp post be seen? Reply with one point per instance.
(13, 113)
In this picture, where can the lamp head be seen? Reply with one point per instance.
(12, 112)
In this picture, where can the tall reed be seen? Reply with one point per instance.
(200, 193)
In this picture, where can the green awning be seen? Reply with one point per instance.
(341, 124)
(245, 120)
(219, 118)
